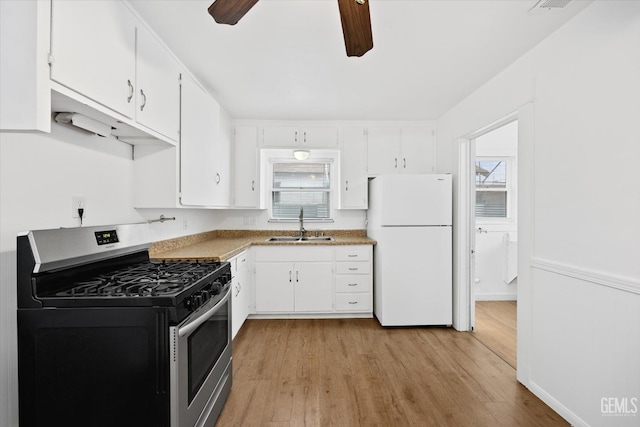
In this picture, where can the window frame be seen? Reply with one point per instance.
(509, 189)
(276, 156)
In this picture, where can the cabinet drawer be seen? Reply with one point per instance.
(353, 302)
(353, 283)
(353, 253)
(353, 268)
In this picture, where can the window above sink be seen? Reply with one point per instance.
(301, 184)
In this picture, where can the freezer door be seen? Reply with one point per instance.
(414, 200)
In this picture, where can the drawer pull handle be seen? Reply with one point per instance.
(353, 302)
(352, 256)
(352, 284)
(353, 268)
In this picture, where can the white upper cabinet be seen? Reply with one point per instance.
(319, 137)
(280, 136)
(222, 162)
(353, 169)
(384, 150)
(200, 124)
(408, 149)
(418, 149)
(157, 86)
(197, 172)
(299, 136)
(93, 46)
(25, 97)
(245, 159)
(102, 52)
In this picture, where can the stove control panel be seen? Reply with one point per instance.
(209, 291)
(106, 237)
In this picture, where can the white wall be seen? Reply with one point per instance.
(579, 221)
(39, 173)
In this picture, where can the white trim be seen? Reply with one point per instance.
(526, 243)
(601, 278)
(497, 297)
(554, 404)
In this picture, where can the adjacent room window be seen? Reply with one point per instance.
(493, 187)
(297, 185)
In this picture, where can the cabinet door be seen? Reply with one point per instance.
(245, 158)
(418, 145)
(313, 286)
(353, 166)
(157, 86)
(239, 292)
(222, 162)
(93, 48)
(274, 287)
(383, 151)
(280, 136)
(199, 123)
(319, 137)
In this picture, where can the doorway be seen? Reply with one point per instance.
(491, 177)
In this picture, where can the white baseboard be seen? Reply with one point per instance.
(497, 297)
(554, 404)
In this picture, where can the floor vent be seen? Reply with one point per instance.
(550, 5)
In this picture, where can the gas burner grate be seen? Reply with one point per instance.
(144, 279)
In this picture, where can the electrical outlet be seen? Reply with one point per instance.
(185, 223)
(78, 202)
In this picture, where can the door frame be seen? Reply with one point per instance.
(466, 231)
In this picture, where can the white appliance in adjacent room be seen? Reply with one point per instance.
(410, 217)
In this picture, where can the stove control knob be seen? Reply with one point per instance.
(205, 295)
(197, 301)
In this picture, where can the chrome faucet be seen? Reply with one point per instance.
(302, 230)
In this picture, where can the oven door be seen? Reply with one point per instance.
(200, 362)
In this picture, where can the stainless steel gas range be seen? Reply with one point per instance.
(107, 337)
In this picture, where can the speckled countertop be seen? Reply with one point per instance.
(220, 245)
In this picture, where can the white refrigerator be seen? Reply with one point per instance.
(410, 217)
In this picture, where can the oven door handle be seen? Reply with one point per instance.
(188, 328)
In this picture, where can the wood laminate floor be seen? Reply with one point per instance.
(353, 372)
(496, 328)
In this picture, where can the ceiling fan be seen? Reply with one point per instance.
(354, 14)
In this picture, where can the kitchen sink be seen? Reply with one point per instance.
(300, 239)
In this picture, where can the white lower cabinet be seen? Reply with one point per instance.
(318, 279)
(241, 290)
(354, 278)
(290, 280)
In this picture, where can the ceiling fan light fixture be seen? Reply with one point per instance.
(301, 154)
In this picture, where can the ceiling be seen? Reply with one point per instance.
(286, 59)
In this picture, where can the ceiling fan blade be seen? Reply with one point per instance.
(356, 26)
(230, 11)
